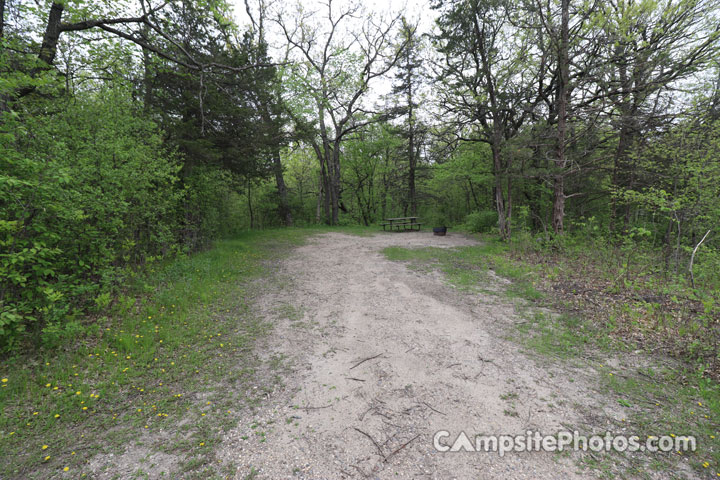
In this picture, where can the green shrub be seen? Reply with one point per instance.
(85, 194)
(482, 221)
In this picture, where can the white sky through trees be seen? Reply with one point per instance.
(412, 9)
(415, 11)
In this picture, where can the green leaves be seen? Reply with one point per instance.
(89, 191)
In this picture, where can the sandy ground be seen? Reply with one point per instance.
(380, 357)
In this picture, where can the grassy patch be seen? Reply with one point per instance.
(168, 368)
(561, 336)
(469, 267)
(631, 290)
(617, 307)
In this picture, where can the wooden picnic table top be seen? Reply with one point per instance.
(401, 218)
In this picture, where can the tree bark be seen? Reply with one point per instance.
(412, 159)
(335, 184)
(48, 49)
(283, 205)
(270, 123)
(147, 75)
(558, 214)
(318, 208)
(249, 203)
(2, 18)
(503, 220)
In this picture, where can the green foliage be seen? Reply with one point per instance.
(192, 334)
(87, 194)
(207, 204)
(84, 192)
(482, 221)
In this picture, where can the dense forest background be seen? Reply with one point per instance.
(133, 132)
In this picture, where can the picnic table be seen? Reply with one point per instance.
(406, 223)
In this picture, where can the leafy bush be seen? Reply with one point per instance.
(85, 193)
(207, 206)
(482, 221)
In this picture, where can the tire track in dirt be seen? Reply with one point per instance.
(381, 357)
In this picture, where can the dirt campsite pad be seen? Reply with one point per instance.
(379, 357)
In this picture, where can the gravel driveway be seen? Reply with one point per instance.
(378, 357)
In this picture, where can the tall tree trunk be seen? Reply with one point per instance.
(2, 18)
(385, 184)
(327, 154)
(412, 159)
(250, 206)
(48, 49)
(283, 205)
(508, 205)
(474, 196)
(326, 190)
(147, 74)
(335, 182)
(558, 214)
(318, 209)
(503, 221)
(626, 138)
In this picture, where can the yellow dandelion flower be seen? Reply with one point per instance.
(47, 458)
(202, 444)
(66, 469)
(44, 447)
(47, 385)
(4, 380)
(57, 415)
